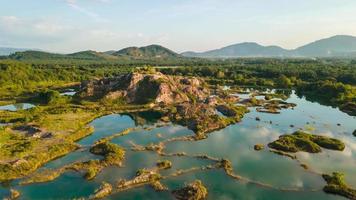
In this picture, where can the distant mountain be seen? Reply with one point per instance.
(5, 51)
(91, 55)
(152, 51)
(340, 45)
(336, 46)
(40, 55)
(28, 55)
(246, 49)
(148, 52)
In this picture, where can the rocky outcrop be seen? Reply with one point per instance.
(186, 101)
(143, 88)
(193, 191)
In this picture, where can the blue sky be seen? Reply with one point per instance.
(181, 25)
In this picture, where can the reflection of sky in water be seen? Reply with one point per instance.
(146, 137)
(18, 106)
(68, 93)
(234, 143)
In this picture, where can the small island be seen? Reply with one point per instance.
(302, 141)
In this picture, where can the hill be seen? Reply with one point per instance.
(246, 49)
(340, 45)
(148, 52)
(152, 51)
(336, 46)
(40, 55)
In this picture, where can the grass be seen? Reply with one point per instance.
(336, 185)
(166, 164)
(14, 144)
(301, 141)
(112, 153)
(193, 191)
(21, 155)
(33, 160)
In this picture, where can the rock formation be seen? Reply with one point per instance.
(143, 88)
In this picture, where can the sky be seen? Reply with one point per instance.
(67, 26)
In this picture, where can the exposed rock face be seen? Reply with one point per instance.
(186, 101)
(146, 88)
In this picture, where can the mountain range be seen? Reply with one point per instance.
(336, 46)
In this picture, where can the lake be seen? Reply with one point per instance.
(234, 143)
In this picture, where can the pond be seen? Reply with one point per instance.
(68, 92)
(17, 106)
(234, 143)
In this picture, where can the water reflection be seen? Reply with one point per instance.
(234, 143)
(17, 106)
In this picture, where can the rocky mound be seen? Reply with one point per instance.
(142, 88)
(182, 100)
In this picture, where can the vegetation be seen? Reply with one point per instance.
(18, 78)
(335, 83)
(336, 185)
(259, 147)
(21, 153)
(49, 97)
(331, 93)
(301, 141)
(60, 121)
(21, 167)
(113, 154)
(166, 164)
(193, 191)
(104, 190)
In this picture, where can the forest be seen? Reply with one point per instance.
(327, 81)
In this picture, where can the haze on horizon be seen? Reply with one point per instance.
(181, 25)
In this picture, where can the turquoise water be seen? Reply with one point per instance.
(17, 106)
(234, 143)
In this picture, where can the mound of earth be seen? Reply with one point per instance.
(186, 101)
(142, 88)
